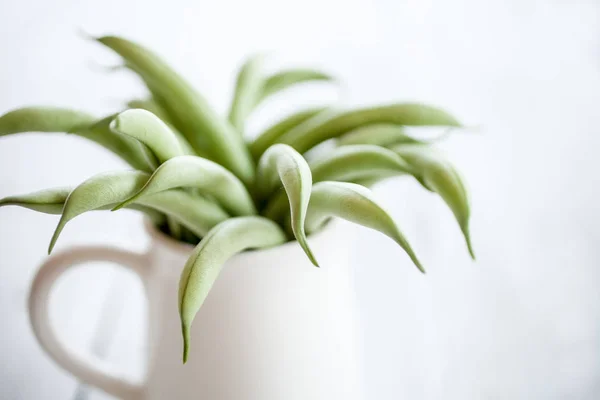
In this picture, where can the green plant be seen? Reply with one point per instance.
(199, 180)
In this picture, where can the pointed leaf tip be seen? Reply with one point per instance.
(470, 248)
(185, 333)
(304, 244)
(55, 237)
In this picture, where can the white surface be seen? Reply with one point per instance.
(521, 323)
(244, 345)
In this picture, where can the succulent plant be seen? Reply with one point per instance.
(198, 179)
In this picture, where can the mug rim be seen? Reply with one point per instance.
(158, 236)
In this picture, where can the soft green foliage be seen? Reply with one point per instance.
(282, 165)
(354, 203)
(270, 136)
(303, 137)
(47, 201)
(149, 130)
(203, 266)
(353, 163)
(359, 161)
(43, 119)
(285, 79)
(105, 190)
(438, 175)
(199, 178)
(53, 119)
(248, 90)
(378, 134)
(207, 176)
(193, 116)
(152, 106)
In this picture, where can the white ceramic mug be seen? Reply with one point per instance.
(274, 327)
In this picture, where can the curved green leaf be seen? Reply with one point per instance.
(249, 85)
(204, 265)
(54, 120)
(196, 213)
(281, 164)
(149, 130)
(152, 106)
(286, 79)
(136, 153)
(366, 182)
(378, 134)
(267, 138)
(304, 137)
(354, 203)
(97, 192)
(192, 115)
(47, 201)
(437, 174)
(208, 176)
(107, 189)
(355, 163)
(43, 119)
(177, 125)
(52, 201)
(358, 161)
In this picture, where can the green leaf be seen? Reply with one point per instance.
(53, 120)
(286, 79)
(358, 161)
(306, 136)
(97, 192)
(439, 175)
(149, 130)
(196, 213)
(105, 190)
(281, 164)
(366, 182)
(52, 201)
(196, 172)
(135, 153)
(354, 203)
(152, 106)
(43, 119)
(378, 134)
(192, 115)
(47, 201)
(274, 132)
(249, 86)
(204, 265)
(353, 163)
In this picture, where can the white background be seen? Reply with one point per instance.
(521, 323)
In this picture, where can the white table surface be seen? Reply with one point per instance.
(521, 323)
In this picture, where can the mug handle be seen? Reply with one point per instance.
(85, 367)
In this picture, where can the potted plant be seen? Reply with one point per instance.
(225, 213)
